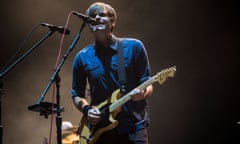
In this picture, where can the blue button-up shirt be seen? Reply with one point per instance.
(99, 67)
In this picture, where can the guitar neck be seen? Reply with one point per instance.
(160, 77)
(127, 96)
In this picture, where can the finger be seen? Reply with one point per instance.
(135, 91)
(137, 97)
(95, 111)
(92, 115)
(94, 121)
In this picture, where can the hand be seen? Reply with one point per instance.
(94, 116)
(138, 94)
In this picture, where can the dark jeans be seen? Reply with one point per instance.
(113, 137)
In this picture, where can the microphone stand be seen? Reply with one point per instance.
(39, 107)
(9, 68)
(1, 126)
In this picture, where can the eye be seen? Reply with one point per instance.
(93, 15)
(103, 14)
(99, 14)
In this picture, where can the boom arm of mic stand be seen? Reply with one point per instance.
(27, 53)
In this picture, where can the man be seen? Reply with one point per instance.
(97, 65)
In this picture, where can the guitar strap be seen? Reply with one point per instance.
(121, 67)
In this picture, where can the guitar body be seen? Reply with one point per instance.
(112, 106)
(89, 134)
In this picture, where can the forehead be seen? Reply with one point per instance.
(97, 9)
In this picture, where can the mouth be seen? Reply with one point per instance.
(99, 24)
(98, 27)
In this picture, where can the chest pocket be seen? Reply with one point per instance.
(114, 64)
(94, 70)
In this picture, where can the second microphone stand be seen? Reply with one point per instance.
(45, 108)
(5, 71)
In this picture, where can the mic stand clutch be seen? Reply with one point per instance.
(55, 76)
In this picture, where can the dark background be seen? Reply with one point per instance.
(200, 105)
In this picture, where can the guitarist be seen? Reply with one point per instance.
(96, 65)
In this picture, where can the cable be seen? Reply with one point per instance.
(19, 48)
(56, 64)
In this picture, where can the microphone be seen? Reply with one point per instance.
(85, 18)
(56, 28)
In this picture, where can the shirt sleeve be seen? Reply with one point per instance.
(142, 65)
(78, 77)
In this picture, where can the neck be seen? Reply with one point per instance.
(103, 41)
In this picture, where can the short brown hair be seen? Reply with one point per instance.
(102, 6)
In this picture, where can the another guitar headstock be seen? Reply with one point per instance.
(162, 76)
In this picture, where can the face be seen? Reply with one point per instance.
(103, 19)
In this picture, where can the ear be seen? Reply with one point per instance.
(113, 24)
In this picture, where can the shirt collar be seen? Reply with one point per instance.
(113, 43)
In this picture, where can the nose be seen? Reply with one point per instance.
(98, 17)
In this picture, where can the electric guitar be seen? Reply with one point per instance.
(112, 106)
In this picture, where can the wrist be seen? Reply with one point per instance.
(85, 109)
(80, 103)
